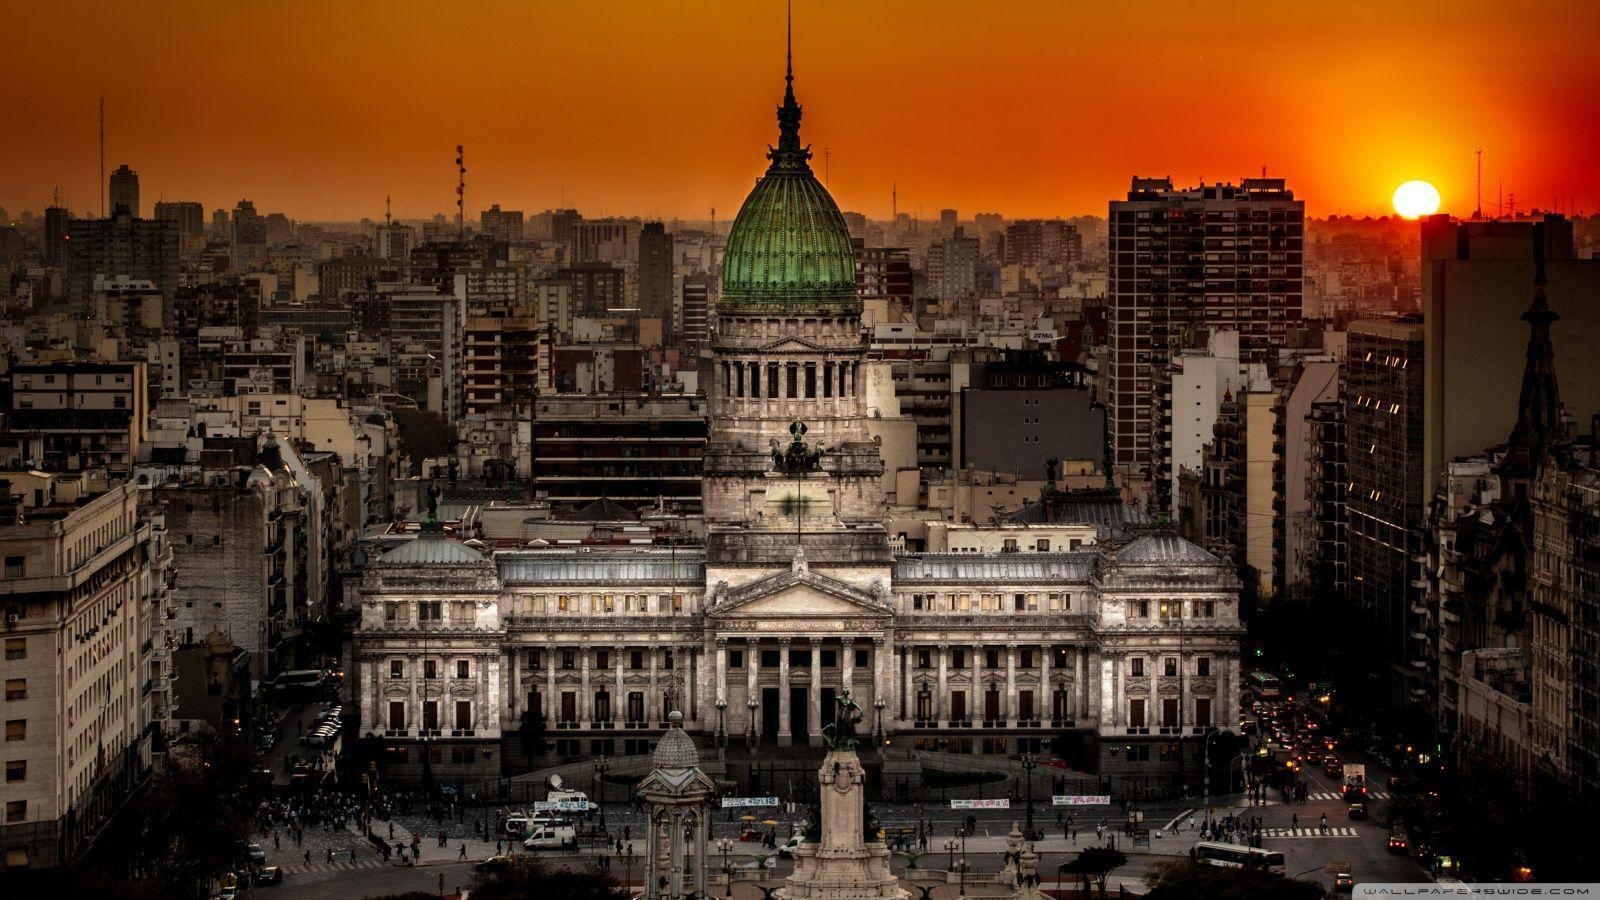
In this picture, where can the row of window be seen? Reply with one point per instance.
(541, 604)
(430, 668)
(430, 715)
(1169, 712)
(1054, 601)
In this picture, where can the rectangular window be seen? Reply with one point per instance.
(1202, 711)
(770, 659)
(16, 648)
(924, 659)
(958, 659)
(1142, 609)
(1043, 545)
(430, 611)
(830, 659)
(602, 659)
(862, 657)
(16, 688)
(1019, 603)
(16, 566)
(991, 658)
(1027, 657)
(430, 715)
(1136, 713)
(535, 659)
(1202, 666)
(16, 729)
(463, 668)
(635, 659)
(397, 668)
(397, 715)
(1169, 712)
(430, 668)
(463, 715)
(1170, 667)
(735, 659)
(1025, 706)
(16, 810)
(562, 602)
(1136, 667)
(569, 660)
(391, 612)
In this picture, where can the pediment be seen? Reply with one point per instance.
(797, 593)
(791, 345)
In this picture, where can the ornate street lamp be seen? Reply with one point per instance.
(601, 767)
(725, 844)
(1029, 763)
(750, 732)
(880, 703)
(722, 734)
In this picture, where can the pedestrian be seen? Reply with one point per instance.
(330, 854)
(1191, 823)
(1294, 820)
(391, 829)
(497, 843)
(1074, 836)
(275, 844)
(463, 853)
(1324, 823)
(627, 833)
(352, 854)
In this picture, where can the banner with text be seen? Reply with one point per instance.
(980, 804)
(731, 802)
(1081, 800)
(561, 806)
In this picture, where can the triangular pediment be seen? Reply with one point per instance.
(791, 345)
(797, 593)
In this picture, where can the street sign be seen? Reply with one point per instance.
(980, 804)
(732, 802)
(1081, 800)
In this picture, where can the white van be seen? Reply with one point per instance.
(787, 848)
(551, 836)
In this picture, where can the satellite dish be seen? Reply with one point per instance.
(555, 782)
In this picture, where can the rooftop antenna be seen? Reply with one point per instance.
(894, 201)
(461, 194)
(827, 168)
(388, 210)
(713, 238)
(1478, 213)
(102, 190)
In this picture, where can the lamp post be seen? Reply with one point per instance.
(750, 732)
(962, 871)
(601, 767)
(1029, 763)
(722, 734)
(950, 848)
(879, 704)
(725, 844)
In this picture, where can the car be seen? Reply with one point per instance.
(1358, 810)
(1314, 754)
(493, 863)
(787, 848)
(269, 875)
(1398, 843)
(257, 855)
(1343, 882)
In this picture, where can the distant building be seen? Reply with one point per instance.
(189, 215)
(1218, 256)
(122, 246)
(655, 272)
(596, 288)
(883, 272)
(632, 449)
(1042, 242)
(694, 320)
(57, 225)
(249, 236)
(396, 241)
(957, 259)
(502, 225)
(1023, 411)
(124, 191)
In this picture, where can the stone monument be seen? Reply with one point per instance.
(844, 863)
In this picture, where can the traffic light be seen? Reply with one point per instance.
(1260, 653)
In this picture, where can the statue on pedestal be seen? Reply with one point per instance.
(841, 733)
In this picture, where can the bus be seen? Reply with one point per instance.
(1235, 856)
(1264, 685)
(300, 682)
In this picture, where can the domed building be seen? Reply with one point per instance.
(1118, 646)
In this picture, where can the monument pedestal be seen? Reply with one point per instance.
(843, 864)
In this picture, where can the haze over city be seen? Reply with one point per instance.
(654, 109)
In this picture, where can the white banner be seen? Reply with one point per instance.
(561, 806)
(1081, 800)
(731, 802)
(980, 804)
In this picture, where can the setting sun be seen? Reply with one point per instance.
(1416, 199)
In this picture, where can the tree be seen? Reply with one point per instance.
(1183, 879)
(1096, 863)
(524, 877)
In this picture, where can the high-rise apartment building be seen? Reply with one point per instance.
(121, 246)
(249, 235)
(189, 215)
(655, 271)
(694, 319)
(1220, 256)
(1383, 393)
(501, 224)
(958, 266)
(57, 224)
(124, 190)
(1041, 242)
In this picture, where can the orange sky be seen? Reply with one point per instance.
(1026, 107)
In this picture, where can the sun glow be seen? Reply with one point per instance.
(1416, 199)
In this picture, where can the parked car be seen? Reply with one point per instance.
(269, 875)
(257, 855)
(1358, 810)
(492, 864)
(1398, 842)
(787, 848)
(1343, 882)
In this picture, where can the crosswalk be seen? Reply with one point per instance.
(1313, 832)
(338, 865)
(1334, 795)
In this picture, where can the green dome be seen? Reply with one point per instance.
(789, 248)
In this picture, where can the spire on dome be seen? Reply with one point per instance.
(789, 154)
